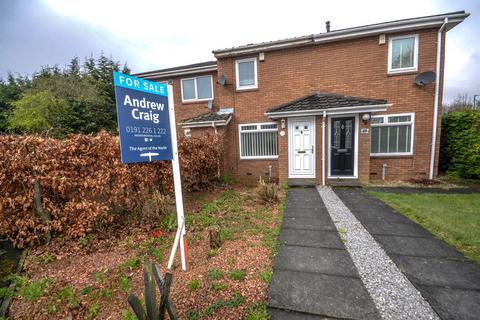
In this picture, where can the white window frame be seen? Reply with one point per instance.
(387, 124)
(237, 75)
(415, 54)
(196, 89)
(257, 130)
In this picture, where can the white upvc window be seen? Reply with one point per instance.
(403, 54)
(258, 140)
(197, 89)
(392, 134)
(246, 74)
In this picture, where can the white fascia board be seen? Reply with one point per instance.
(177, 72)
(325, 37)
(356, 32)
(330, 111)
(202, 124)
(264, 47)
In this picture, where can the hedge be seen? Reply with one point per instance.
(51, 187)
(460, 143)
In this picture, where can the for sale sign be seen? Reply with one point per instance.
(146, 121)
(143, 119)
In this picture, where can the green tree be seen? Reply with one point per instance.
(36, 112)
(10, 91)
(77, 99)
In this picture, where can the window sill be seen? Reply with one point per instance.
(247, 89)
(402, 72)
(259, 158)
(196, 101)
(393, 156)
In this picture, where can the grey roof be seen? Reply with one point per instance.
(383, 27)
(322, 101)
(208, 117)
(196, 67)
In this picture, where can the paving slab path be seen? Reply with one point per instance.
(447, 280)
(314, 275)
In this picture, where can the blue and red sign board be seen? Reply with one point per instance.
(143, 119)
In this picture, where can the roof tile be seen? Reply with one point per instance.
(321, 101)
(208, 117)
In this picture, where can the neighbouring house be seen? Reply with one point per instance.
(360, 103)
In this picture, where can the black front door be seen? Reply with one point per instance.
(342, 148)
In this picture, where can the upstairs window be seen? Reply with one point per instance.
(197, 89)
(246, 74)
(403, 54)
(258, 141)
(392, 134)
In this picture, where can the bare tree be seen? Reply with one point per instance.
(460, 102)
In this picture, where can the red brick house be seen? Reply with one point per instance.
(343, 104)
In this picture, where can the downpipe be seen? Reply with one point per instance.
(437, 93)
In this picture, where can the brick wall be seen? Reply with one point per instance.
(356, 67)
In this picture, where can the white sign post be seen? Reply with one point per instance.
(177, 182)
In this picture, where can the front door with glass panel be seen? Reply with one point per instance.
(342, 148)
(302, 148)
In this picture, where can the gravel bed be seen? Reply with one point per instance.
(393, 294)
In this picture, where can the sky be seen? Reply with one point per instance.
(153, 34)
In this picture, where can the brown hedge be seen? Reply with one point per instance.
(82, 181)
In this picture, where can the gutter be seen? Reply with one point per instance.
(329, 111)
(394, 26)
(275, 45)
(435, 106)
(202, 124)
(355, 32)
(179, 72)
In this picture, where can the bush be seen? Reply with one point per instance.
(156, 206)
(83, 184)
(460, 143)
(267, 191)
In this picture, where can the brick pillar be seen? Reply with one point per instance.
(282, 152)
(364, 150)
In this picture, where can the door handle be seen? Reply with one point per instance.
(312, 148)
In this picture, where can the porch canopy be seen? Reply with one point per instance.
(209, 119)
(320, 103)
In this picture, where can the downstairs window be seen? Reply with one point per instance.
(258, 141)
(392, 134)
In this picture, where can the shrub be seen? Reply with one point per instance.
(257, 312)
(266, 275)
(82, 184)
(237, 275)
(194, 284)
(460, 143)
(169, 222)
(31, 289)
(156, 206)
(267, 191)
(215, 274)
(124, 283)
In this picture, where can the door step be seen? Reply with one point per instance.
(344, 182)
(301, 182)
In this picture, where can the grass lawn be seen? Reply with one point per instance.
(454, 218)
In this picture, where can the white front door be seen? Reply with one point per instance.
(301, 145)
